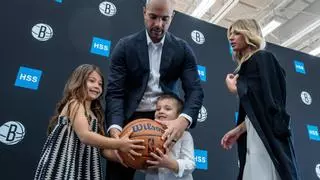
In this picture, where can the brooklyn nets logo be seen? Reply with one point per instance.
(202, 116)
(42, 32)
(107, 8)
(11, 132)
(306, 98)
(197, 37)
(318, 170)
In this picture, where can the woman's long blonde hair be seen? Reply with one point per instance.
(76, 89)
(252, 33)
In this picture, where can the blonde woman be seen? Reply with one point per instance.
(264, 139)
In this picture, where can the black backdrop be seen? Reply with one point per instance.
(26, 111)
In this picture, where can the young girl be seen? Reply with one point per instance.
(178, 163)
(263, 134)
(76, 131)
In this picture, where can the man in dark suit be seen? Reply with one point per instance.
(143, 66)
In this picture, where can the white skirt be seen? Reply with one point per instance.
(258, 162)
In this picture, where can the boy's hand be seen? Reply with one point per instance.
(162, 160)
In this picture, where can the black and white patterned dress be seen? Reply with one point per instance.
(64, 157)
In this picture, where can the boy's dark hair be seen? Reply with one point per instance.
(172, 96)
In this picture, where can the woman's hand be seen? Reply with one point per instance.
(231, 82)
(232, 136)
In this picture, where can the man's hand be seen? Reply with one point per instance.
(174, 131)
(114, 133)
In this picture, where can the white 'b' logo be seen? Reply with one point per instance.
(318, 170)
(11, 132)
(202, 116)
(306, 98)
(197, 37)
(42, 32)
(107, 8)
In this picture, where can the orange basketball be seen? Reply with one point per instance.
(148, 130)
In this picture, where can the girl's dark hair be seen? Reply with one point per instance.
(76, 89)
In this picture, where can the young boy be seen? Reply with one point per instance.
(177, 163)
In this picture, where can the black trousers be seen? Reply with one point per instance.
(115, 171)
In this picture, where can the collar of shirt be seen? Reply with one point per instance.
(154, 45)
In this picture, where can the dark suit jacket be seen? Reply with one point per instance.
(129, 73)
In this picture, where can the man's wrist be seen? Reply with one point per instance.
(114, 126)
(114, 132)
(186, 119)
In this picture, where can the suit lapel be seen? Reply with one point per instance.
(143, 51)
(166, 56)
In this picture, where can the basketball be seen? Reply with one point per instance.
(148, 130)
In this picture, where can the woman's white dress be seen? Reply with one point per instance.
(258, 162)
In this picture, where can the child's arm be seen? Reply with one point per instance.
(81, 127)
(163, 160)
(186, 158)
(109, 154)
(184, 164)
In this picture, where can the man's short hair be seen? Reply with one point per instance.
(148, 1)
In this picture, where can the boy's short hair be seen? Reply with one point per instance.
(174, 97)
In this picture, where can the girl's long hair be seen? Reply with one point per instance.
(76, 89)
(252, 33)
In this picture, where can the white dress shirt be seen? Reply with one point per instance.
(153, 90)
(183, 153)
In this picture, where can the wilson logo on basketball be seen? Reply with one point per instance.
(143, 127)
(42, 32)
